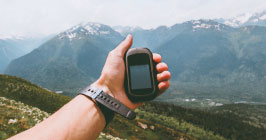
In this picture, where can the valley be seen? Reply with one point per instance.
(20, 102)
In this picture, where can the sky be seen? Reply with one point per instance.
(44, 17)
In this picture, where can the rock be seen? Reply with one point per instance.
(152, 127)
(12, 121)
(142, 125)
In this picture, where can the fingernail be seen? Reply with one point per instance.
(128, 36)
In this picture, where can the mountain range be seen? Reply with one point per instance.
(12, 47)
(207, 59)
(212, 60)
(71, 59)
(246, 19)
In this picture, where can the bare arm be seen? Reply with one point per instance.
(81, 118)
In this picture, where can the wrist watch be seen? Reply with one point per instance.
(108, 104)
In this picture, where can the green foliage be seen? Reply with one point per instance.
(16, 117)
(132, 130)
(180, 125)
(21, 90)
(28, 93)
(155, 120)
(254, 115)
(227, 125)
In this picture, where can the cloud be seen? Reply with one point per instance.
(52, 16)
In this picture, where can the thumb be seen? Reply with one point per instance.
(124, 45)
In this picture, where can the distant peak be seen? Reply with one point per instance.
(12, 37)
(88, 28)
(246, 19)
(205, 24)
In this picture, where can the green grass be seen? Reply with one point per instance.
(163, 121)
(17, 117)
(21, 90)
(179, 125)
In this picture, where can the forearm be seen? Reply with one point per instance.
(77, 120)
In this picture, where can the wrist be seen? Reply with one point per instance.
(107, 103)
(101, 84)
(96, 91)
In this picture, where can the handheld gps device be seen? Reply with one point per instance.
(140, 75)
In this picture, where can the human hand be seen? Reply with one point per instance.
(112, 77)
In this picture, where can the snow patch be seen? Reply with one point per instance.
(262, 17)
(238, 20)
(91, 30)
(70, 36)
(195, 22)
(242, 18)
(206, 26)
(87, 28)
(232, 24)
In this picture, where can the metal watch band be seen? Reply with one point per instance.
(108, 101)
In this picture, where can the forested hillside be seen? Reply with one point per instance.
(155, 120)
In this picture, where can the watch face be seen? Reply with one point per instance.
(140, 74)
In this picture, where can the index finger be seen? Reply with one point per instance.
(157, 58)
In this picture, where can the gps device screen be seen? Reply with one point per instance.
(140, 77)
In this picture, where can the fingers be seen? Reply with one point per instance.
(157, 58)
(161, 67)
(124, 45)
(163, 86)
(164, 76)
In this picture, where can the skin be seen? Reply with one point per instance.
(81, 119)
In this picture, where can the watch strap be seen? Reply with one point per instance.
(107, 113)
(109, 102)
(115, 106)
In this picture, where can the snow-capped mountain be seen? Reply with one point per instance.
(246, 19)
(85, 30)
(206, 24)
(198, 51)
(77, 54)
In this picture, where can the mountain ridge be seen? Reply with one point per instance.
(246, 19)
(215, 55)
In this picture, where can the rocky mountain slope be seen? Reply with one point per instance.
(206, 58)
